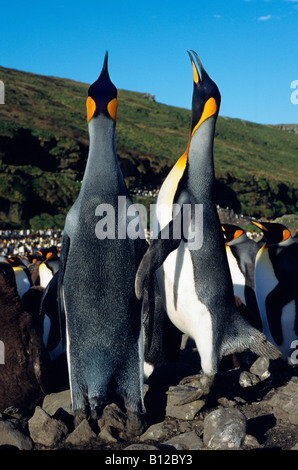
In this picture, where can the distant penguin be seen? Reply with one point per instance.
(47, 269)
(276, 281)
(22, 275)
(23, 371)
(188, 250)
(98, 263)
(241, 253)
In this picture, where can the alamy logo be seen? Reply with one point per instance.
(2, 92)
(294, 355)
(2, 353)
(128, 222)
(294, 94)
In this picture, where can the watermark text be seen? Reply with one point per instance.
(186, 222)
(294, 355)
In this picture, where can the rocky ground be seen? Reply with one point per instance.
(252, 405)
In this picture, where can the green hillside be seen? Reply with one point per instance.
(44, 146)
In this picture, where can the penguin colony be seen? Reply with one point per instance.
(110, 306)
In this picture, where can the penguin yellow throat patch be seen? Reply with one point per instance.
(169, 187)
(209, 110)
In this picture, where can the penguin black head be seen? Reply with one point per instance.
(274, 233)
(102, 96)
(231, 232)
(206, 96)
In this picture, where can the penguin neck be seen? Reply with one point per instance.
(102, 170)
(200, 161)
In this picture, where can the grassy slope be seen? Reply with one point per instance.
(150, 135)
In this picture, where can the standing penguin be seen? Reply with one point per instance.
(96, 276)
(241, 253)
(192, 267)
(22, 275)
(276, 281)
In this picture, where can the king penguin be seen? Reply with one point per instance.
(276, 281)
(96, 276)
(188, 251)
(241, 253)
(22, 275)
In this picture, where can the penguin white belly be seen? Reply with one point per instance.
(45, 275)
(287, 324)
(183, 307)
(22, 281)
(237, 276)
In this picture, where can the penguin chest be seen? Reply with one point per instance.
(184, 308)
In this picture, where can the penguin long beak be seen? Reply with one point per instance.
(260, 226)
(202, 106)
(196, 76)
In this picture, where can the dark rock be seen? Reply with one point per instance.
(54, 401)
(12, 435)
(247, 379)
(285, 402)
(186, 441)
(82, 434)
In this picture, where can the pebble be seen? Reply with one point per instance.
(247, 379)
(261, 368)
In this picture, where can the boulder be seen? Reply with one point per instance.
(82, 434)
(185, 441)
(46, 430)
(12, 436)
(285, 402)
(224, 428)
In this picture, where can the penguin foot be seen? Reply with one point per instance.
(79, 416)
(96, 408)
(204, 386)
(135, 424)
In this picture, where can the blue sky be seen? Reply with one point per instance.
(248, 47)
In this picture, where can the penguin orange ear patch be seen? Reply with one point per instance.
(112, 109)
(238, 233)
(91, 107)
(285, 235)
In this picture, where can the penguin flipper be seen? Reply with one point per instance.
(155, 255)
(60, 293)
